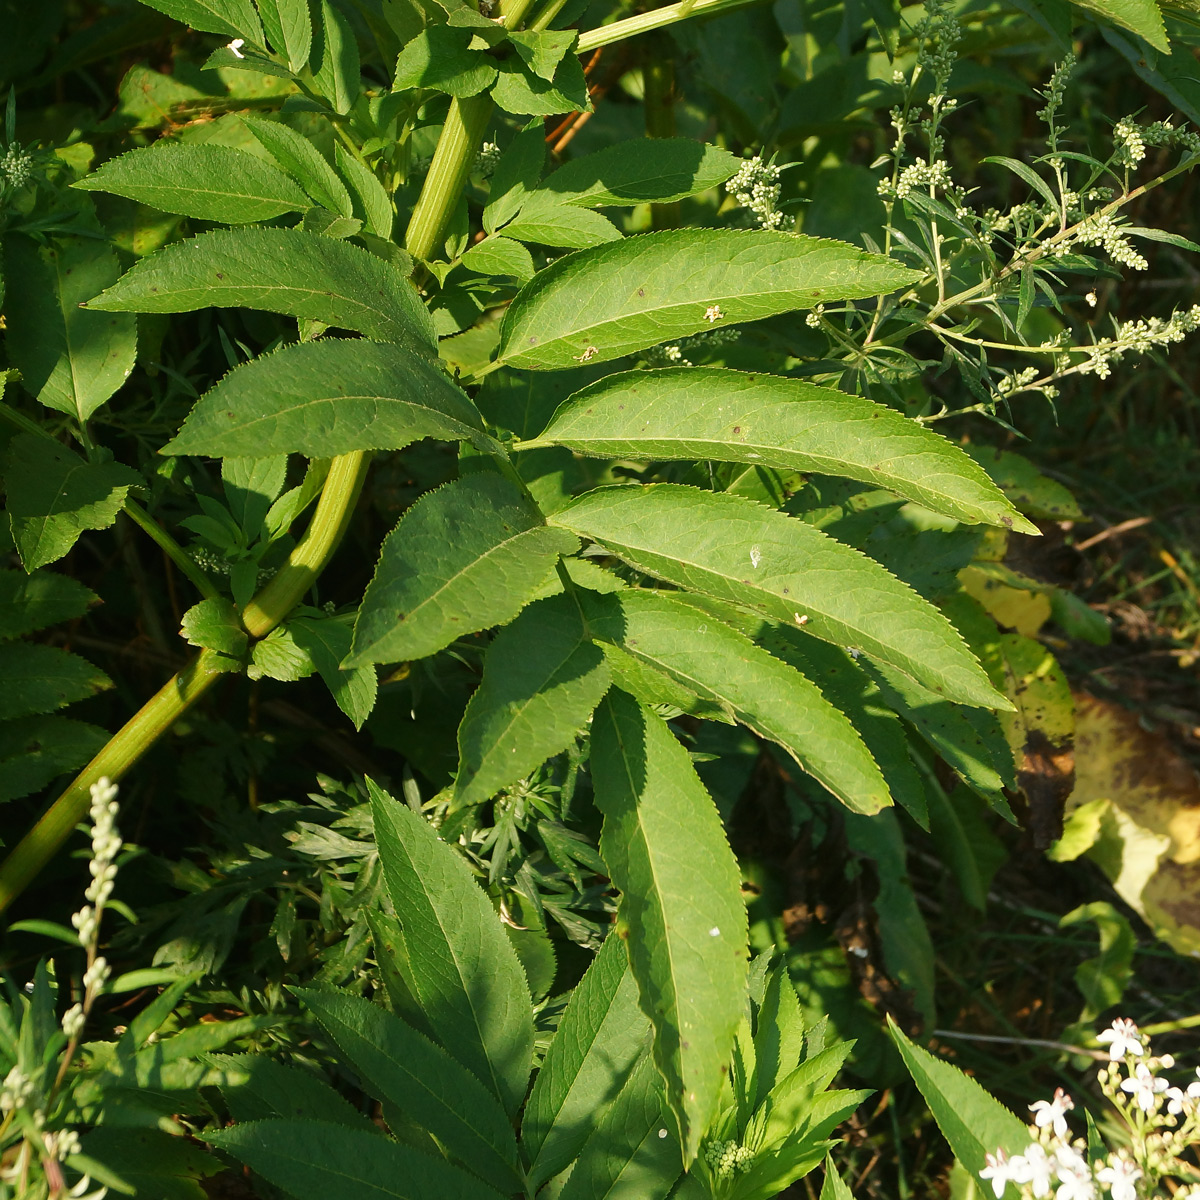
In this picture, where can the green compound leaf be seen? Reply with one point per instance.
(256, 1088)
(465, 973)
(315, 1160)
(339, 74)
(598, 1041)
(39, 679)
(730, 416)
(53, 496)
(404, 1068)
(687, 945)
(285, 271)
(973, 1122)
(634, 1150)
(234, 18)
(721, 665)
(611, 300)
(639, 171)
(465, 557)
(71, 359)
(211, 183)
(32, 602)
(439, 58)
(330, 397)
(541, 681)
(734, 549)
(301, 159)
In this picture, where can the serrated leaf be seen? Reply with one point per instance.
(722, 665)
(214, 624)
(72, 360)
(598, 1041)
(519, 90)
(561, 225)
(1033, 493)
(326, 640)
(210, 182)
(611, 300)
(731, 416)
(39, 679)
(542, 51)
(295, 30)
(403, 1068)
(542, 678)
(32, 602)
(439, 58)
(339, 72)
(737, 550)
(286, 271)
(974, 1123)
(373, 202)
(1142, 17)
(465, 973)
(639, 171)
(278, 656)
(516, 175)
(54, 495)
(235, 18)
(497, 255)
(834, 1187)
(304, 162)
(315, 1160)
(634, 1151)
(465, 557)
(35, 750)
(256, 1087)
(153, 1161)
(687, 946)
(330, 397)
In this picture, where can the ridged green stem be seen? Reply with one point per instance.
(658, 18)
(457, 147)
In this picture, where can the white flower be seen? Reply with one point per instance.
(1120, 1178)
(1053, 1112)
(1145, 1087)
(1125, 1039)
(236, 46)
(998, 1171)
(1036, 1168)
(1179, 1099)
(1075, 1177)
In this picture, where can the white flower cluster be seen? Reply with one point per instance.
(1014, 381)
(16, 1089)
(1104, 231)
(16, 167)
(1131, 139)
(1133, 337)
(1164, 1122)
(917, 175)
(1131, 146)
(674, 354)
(756, 187)
(726, 1159)
(487, 158)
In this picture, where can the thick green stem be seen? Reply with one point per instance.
(452, 160)
(171, 548)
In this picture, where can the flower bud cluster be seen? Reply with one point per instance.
(726, 1159)
(1104, 231)
(1133, 337)
(15, 1090)
(917, 175)
(756, 187)
(487, 159)
(1163, 1121)
(16, 167)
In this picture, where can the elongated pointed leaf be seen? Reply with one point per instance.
(465, 973)
(258, 1088)
(730, 416)
(542, 678)
(317, 1160)
(611, 300)
(233, 18)
(1142, 17)
(212, 183)
(634, 1152)
(39, 679)
(402, 1067)
(598, 1040)
(330, 397)
(720, 664)
(687, 945)
(304, 162)
(639, 171)
(72, 360)
(737, 550)
(465, 557)
(286, 271)
(974, 1123)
